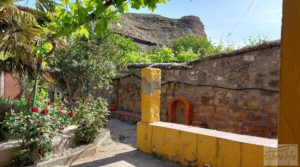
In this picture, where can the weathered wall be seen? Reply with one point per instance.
(193, 146)
(9, 86)
(234, 92)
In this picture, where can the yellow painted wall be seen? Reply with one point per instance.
(289, 114)
(150, 106)
(204, 156)
(150, 95)
(187, 147)
(192, 149)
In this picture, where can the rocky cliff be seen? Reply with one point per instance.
(151, 29)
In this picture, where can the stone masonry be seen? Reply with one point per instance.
(233, 92)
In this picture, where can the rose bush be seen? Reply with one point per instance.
(6, 106)
(36, 127)
(90, 115)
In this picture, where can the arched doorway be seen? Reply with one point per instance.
(181, 103)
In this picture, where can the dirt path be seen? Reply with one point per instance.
(119, 150)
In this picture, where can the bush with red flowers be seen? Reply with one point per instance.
(36, 127)
(90, 115)
(6, 106)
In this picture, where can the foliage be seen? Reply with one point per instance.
(29, 34)
(19, 33)
(185, 56)
(255, 40)
(89, 64)
(90, 115)
(183, 49)
(163, 54)
(135, 57)
(76, 15)
(26, 85)
(6, 106)
(36, 127)
(197, 45)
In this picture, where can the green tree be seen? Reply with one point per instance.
(29, 35)
(201, 46)
(89, 63)
(198, 45)
(25, 31)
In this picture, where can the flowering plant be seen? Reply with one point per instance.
(36, 127)
(90, 115)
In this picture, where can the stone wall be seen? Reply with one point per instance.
(233, 92)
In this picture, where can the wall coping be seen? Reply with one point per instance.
(188, 65)
(239, 51)
(221, 135)
(159, 65)
(9, 145)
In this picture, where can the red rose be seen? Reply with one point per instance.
(9, 108)
(48, 103)
(61, 129)
(34, 109)
(44, 112)
(70, 113)
(28, 120)
(19, 119)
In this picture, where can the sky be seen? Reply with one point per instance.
(228, 20)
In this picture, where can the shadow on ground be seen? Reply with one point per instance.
(119, 150)
(128, 159)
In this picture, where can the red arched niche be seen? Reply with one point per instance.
(188, 109)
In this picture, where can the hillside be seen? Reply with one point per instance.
(150, 29)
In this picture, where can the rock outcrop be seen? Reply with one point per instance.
(150, 29)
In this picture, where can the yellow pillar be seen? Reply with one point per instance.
(150, 107)
(289, 115)
(150, 95)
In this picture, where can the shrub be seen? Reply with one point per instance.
(6, 106)
(90, 114)
(163, 54)
(255, 40)
(185, 56)
(35, 128)
(189, 46)
(198, 45)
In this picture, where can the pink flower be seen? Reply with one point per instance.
(28, 120)
(70, 113)
(48, 103)
(35, 109)
(44, 112)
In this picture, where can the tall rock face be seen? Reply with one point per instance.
(149, 30)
